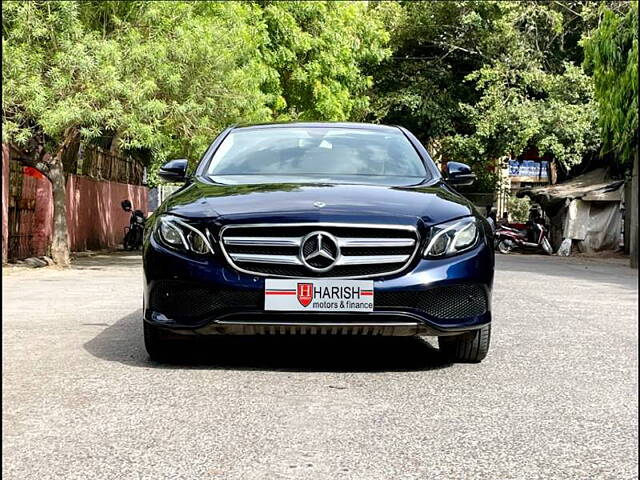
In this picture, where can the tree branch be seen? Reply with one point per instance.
(561, 4)
(71, 135)
(35, 155)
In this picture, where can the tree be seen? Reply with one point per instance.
(164, 77)
(612, 55)
(526, 106)
(318, 51)
(29, 88)
(436, 45)
(479, 80)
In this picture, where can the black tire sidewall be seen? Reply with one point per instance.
(155, 343)
(470, 347)
(507, 251)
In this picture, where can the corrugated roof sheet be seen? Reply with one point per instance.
(594, 185)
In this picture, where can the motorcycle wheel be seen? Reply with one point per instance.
(546, 246)
(505, 246)
(126, 242)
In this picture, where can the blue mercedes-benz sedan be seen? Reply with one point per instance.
(318, 229)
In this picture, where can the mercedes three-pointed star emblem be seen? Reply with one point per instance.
(319, 251)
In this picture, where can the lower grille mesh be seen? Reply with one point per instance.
(184, 300)
(453, 301)
(177, 299)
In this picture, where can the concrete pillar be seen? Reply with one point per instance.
(633, 234)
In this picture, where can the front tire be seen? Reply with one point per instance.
(126, 242)
(156, 343)
(470, 347)
(505, 246)
(546, 246)
(137, 242)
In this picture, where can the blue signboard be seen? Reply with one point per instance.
(529, 168)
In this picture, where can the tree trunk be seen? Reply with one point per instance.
(54, 171)
(60, 237)
(53, 168)
(633, 234)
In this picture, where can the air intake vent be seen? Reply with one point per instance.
(447, 302)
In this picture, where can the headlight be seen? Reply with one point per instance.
(178, 234)
(452, 237)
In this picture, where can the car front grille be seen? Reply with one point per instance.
(447, 302)
(346, 251)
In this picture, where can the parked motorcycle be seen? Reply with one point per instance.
(535, 236)
(134, 232)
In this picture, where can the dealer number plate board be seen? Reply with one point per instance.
(314, 295)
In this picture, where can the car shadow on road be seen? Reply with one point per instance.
(122, 342)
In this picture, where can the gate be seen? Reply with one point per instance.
(21, 215)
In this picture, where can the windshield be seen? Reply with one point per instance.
(316, 151)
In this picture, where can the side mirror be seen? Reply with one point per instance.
(174, 171)
(459, 174)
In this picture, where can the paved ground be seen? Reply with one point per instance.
(557, 396)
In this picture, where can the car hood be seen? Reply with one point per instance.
(317, 202)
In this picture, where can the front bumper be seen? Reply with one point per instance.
(193, 296)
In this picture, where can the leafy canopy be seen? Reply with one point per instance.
(318, 50)
(168, 76)
(612, 55)
(475, 80)
(166, 79)
(478, 80)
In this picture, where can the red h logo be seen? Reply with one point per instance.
(305, 293)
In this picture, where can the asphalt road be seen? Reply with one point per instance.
(557, 396)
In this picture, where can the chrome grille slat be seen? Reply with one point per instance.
(284, 250)
(264, 241)
(372, 259)
(293, 260)
(295, 242)
(376, 242)
(258, 258)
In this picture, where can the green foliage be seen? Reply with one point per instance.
(318, 50)
(612, 56)
(168, 76)
(552, 111)
(490, 78)
(167, 79)
(436, 44)
(518, 209)
(481, 79)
